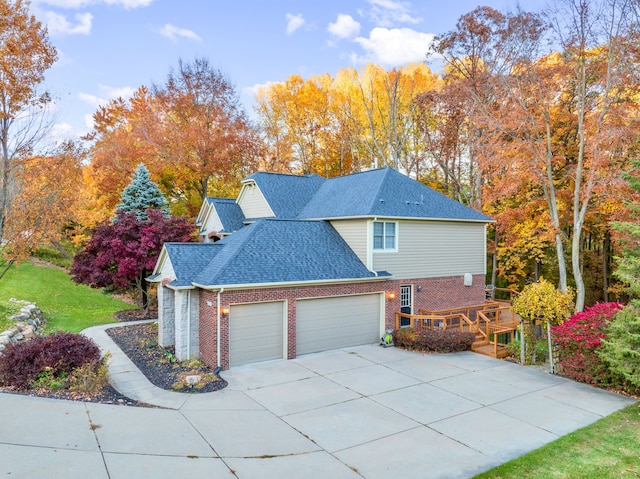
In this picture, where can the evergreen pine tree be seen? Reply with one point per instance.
(629, 263)
(142, 194)
(621, 348)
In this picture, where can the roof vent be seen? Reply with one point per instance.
(408, 202)
(381, 200)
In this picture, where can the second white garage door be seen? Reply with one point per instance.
(256, 332)
(333, 323)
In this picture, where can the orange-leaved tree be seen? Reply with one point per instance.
(25, 54)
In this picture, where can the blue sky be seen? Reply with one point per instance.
(109, 48)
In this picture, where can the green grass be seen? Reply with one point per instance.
(67, 306)
(608, 448)
(7, 310)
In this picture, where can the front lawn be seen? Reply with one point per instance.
(608, 448)
(66, 305)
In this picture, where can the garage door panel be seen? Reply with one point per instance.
(332, 323)
(256, 332)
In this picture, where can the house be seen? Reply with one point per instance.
(302, 264)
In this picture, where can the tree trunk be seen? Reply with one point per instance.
(605, 265)
(8, 265)
(61, 250)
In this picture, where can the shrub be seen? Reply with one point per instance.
(91, 377)
(579, 338)
(47, 357)
(405, 337)
(621, 348)
(436, 341)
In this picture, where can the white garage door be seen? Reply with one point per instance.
(333, 323)
(256, 332)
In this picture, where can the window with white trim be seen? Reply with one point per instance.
(385, 236)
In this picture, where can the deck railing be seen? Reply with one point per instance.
(458, 321)
(490, 320)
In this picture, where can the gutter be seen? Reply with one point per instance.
(285, 284)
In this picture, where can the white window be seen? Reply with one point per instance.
(385, 236)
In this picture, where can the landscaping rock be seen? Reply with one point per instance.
(30, 322)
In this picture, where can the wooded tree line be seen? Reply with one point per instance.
(532, 119)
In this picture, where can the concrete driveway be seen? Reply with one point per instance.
(360, 412)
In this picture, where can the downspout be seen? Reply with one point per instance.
(218, 328)
(188, 324)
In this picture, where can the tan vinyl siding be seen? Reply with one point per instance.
(433, 249)
(354, 232)
(253, 203)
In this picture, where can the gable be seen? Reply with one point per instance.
(180, 262)
(253, 203)
(285, 195)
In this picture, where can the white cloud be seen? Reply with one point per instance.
(92, 100)
(294, 22)
(75, 4)
(393, 47)
(387, 13)
(113, 92)
(89, 122)
(344, 26)
(59, 25)
(127, 4)
(64, 131)
(172, 33)
(253, 90)
(107, 93)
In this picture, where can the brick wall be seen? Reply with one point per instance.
(434, 294)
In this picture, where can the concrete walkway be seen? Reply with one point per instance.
(364, 412)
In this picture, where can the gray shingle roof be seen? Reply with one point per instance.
(230, 214)
(275, 251)
(386, 193)
(188, 259)
(287, 194)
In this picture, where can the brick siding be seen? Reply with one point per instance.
(434, 294)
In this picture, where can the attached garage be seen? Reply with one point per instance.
(256, 332)
(323, 324)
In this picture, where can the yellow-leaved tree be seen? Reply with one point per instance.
(541, 301)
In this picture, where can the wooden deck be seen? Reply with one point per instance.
(492, 322)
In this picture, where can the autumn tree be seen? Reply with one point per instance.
(124, 136)
(541, 301)
(122, 253)
(25, 54)
(208, 139)
(45, 202)
(333, 126)
(600, 39)
(191, 132)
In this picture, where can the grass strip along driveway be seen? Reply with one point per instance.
(608, 448)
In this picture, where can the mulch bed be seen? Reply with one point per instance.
(107, 395)
(140, 343)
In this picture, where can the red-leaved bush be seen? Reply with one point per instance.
(57, 353)
(437, 341)
(579, 338)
